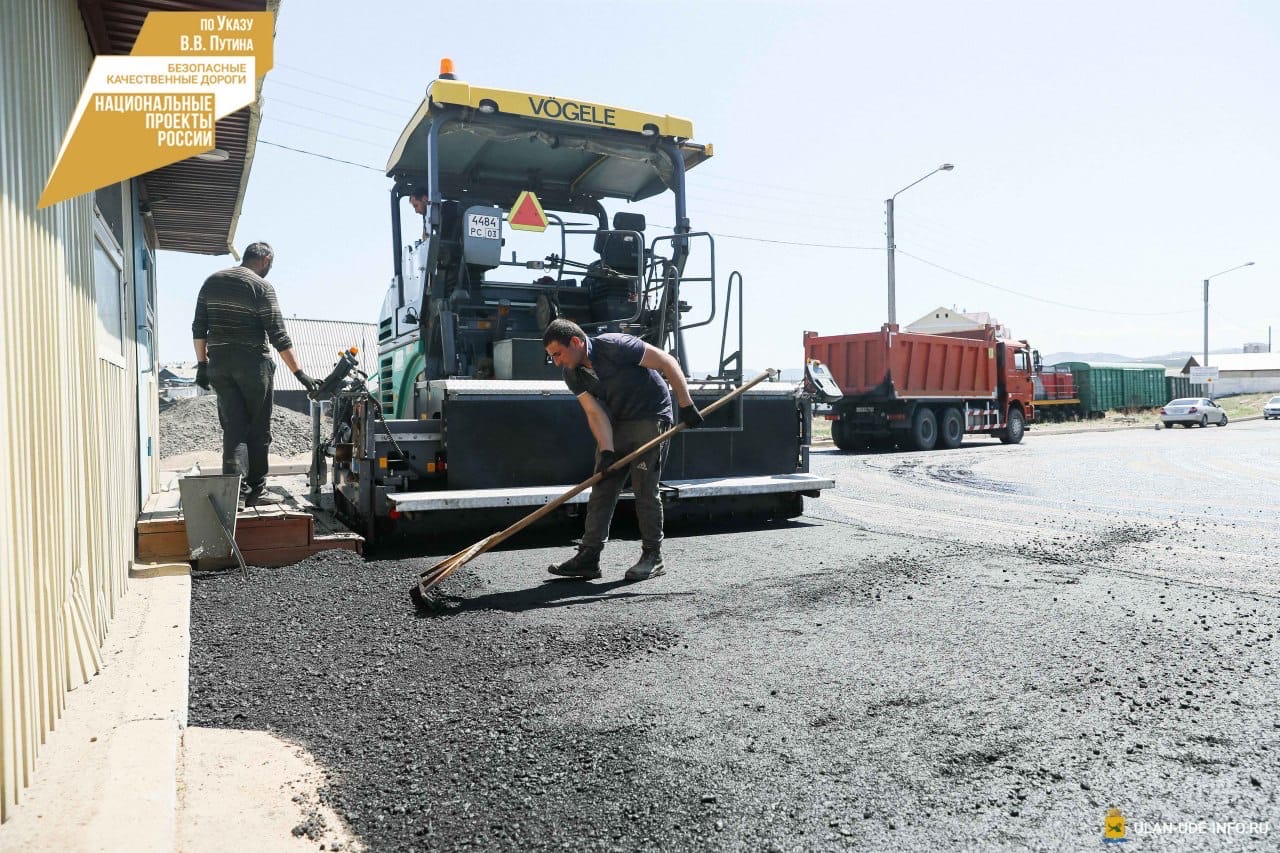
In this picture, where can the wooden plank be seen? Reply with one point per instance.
(280, 556)
(162, 525)
(162, 546)
(340, 541)
(280, 533)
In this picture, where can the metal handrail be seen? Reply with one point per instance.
(724, 334)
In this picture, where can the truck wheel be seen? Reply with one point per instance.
(924, 429)
(951, 429)
(843, 436)
(1013, 432)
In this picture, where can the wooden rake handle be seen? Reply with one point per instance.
(546, 509)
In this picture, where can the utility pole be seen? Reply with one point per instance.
(893, 302)
(1206, 324)
(890, 247)
(1206, 307)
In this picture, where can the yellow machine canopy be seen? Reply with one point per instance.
(492, 144)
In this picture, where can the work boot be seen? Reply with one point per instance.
(261, 498)
(585, 564)
(649, 565)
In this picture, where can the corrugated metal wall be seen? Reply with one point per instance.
(317, 343)
(68, 501)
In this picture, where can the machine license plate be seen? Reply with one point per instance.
(483, 225)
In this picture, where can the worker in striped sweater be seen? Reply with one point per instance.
(237, 316)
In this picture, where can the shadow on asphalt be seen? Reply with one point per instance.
(554, 592)
(565, 533)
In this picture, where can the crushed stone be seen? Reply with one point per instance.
(191, 425)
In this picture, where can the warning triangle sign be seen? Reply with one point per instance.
(526, 214)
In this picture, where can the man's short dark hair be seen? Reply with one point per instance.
(561, 331)
(419, 192)
(254, 251)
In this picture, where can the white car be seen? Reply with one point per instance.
(1271, 409)
(1190, 411)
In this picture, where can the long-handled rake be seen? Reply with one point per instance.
(421, 591)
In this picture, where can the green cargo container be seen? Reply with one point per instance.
(1176, 386)
(1104, 387)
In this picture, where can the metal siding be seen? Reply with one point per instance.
(317, 343)
(68, 508)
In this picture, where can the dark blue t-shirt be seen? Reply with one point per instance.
(628, 391)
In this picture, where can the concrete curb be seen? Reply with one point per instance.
(1032, 430)
(1135, 426)
(106, 778)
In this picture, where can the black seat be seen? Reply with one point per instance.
(620, 251)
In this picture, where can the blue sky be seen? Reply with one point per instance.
(1108, 156)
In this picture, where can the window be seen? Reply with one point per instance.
(1020, 360)
(108, 286)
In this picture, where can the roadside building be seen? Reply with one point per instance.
(941, 321)
(1246, 373)
(178, 382)
(78, 306)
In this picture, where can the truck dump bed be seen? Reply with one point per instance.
(890, 364)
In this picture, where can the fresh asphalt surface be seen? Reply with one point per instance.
(984, 648)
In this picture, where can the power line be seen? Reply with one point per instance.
(754, 239)
(329, 132)
(345, 83)
(1039, 298)
(809, 193)
(332, 115)
(321, 156)
(1233, 323)
(399, 114)
(843, 246)
(777, 242)
(749, 238)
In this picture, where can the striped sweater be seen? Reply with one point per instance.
(238, 307)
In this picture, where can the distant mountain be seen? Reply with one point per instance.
(1168, 359)
(1059, 357)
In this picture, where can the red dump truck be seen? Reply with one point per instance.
(922, 391)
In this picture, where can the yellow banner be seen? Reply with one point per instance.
(159, 105)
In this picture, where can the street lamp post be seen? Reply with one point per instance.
(1206, 307)
(888, 212)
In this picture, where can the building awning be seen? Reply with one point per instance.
(193, 205)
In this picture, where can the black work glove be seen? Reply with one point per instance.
(202, 375)
(607, 458)
(690, 416)
(307, 382)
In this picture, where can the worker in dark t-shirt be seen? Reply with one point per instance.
(236, 316)
(618, 379)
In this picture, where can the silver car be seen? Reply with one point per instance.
(1271, 409)
(1190, 411)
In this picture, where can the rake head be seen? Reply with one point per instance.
(423, 593)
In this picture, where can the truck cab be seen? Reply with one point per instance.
(1018, 368)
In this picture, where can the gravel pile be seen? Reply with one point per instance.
(191, 425)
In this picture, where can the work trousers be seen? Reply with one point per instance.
(243, 380)
(646, 471)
